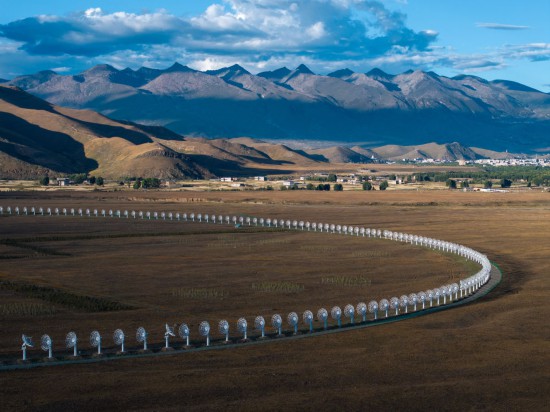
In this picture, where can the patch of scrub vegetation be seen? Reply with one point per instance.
(277, 287)
(200, 293)
(64, 298)
(23, 244)
(26, 309)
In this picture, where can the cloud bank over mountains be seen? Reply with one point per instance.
(259, 34)
(319, 29)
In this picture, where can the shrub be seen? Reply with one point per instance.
(505, 183)
(384, 185)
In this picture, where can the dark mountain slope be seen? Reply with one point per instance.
(409, 108)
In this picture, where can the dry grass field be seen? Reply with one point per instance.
(490, 355)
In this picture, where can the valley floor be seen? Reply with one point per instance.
(490, 355)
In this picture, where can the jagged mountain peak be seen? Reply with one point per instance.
(303, 69)
(177, 67)
(234, 70)
(341, 74)
(377, 73)
(296, 104)
(276, 74)
(100, 69)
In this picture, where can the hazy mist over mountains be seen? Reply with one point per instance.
(374, 108)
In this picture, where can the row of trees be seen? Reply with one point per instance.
(147, 183)
(337, 187)
(534, 175)
(488, 184)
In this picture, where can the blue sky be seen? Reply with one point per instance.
(489, 38)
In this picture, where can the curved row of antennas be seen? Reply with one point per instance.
(400, 305)
(466, 286)
(397, 305)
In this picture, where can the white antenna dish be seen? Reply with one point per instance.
(307, 316)
(95, 341)
(292, 320)
(384, 305)
(362, 310)
(168, 332)
(223, 327)
(46, 345)
(242, 327)
(373, 308)
(183, 331)
(71, 342)
(422, 298)
(27, 343)
(404, 302)
(430, 296)
(413, 300)
(336, 314)
(204, 330)
(322, 316)
(259, 324)
(437, 294)
(118, 338)
(394, 304)
(349, 312)
(141, 336)
(277, 323)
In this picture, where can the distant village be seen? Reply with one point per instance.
(512, 161)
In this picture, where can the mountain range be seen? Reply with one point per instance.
(373, 108)
(38, 138)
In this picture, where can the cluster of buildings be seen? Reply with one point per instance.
(533, 161)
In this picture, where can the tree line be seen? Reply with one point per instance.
(535, 175)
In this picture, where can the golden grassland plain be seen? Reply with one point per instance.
(489, 355)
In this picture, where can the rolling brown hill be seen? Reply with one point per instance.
(37, 137)
(448, 151)
(340, 154)
(280, 152)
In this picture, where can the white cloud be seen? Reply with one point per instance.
(316, 31)
(500, 26)
(259, 34)
(62, 69)
(322, 28)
